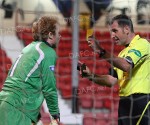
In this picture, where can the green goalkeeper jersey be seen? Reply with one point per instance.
(31, 79)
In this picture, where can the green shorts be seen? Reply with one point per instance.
(9, 115)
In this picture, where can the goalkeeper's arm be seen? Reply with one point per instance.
(55, 119)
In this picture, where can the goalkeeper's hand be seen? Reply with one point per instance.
(55, 119)
(54, 122)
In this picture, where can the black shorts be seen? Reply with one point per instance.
(131, 108)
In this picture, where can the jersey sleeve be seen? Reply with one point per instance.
(49, 84)
(137, 52)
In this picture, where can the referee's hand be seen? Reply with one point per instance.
(83, 70)
(94, 44)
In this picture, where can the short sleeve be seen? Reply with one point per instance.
(137, 52)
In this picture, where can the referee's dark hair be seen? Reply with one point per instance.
(123, 20)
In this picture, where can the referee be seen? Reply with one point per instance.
(131, 70)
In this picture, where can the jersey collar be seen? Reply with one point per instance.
(47, 43)
(137, 37)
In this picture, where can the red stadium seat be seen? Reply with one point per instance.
(116, 89)
(64, 70)
(3, 77)
(2, 53)
(106, 34)
(102, 118)
(25, 34)
(63, 81)
(86, 101)
(108, 103)
(64, 44)
(5, 60)
(66, 92)
(98, 103)
(112, 122)
(82, 34)
(101, 122)
(21, 29)
(89, 119)
(5, 63)
(65, 33)
(114, 115)
(97, 34)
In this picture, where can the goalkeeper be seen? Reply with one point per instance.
(31, 78)
(131, 71)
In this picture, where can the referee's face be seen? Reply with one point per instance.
(118, 34)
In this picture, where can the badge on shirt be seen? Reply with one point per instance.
(52, 68)
(136, 52)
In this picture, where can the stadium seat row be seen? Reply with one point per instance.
(101, 118)
(5, 64)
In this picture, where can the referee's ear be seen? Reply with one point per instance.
(126, 29)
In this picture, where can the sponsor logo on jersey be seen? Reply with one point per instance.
(136, 52)
(52, 68)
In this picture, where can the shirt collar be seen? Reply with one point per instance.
(137, 37)
(47, 43)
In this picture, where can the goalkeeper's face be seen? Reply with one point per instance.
(119, 34)
(54, 39)
(57, 35)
